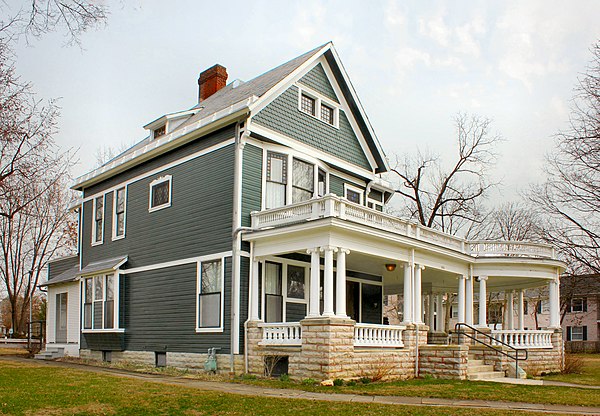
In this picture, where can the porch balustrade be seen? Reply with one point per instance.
(372, 335)
(333, 206)
(282, 334)
(524, 339)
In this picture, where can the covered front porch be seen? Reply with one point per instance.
(341, 290)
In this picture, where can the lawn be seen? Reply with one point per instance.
(589, 375)
(31, 389)
(456, 389)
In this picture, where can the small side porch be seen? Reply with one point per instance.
(319, 286)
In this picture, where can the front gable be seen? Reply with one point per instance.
(342, 139)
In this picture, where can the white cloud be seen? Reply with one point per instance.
(435, 29)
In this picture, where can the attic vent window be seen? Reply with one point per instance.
(307, 104)
(318, 106)
(327, 114)
(160, 131)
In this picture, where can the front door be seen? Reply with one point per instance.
(353, 300)
(61, 318)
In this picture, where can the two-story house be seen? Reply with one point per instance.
(253, 223)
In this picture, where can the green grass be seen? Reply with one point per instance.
(590, 374)
(455, 389)
(32, 389)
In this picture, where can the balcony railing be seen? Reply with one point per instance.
(523, 339)
(281, 334)
(334, 206)
(372, 335)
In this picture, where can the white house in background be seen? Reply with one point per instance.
(253, 223)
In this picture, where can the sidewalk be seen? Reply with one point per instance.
(248, 390)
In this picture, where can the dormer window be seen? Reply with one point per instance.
(161, 131)
(318, 106)
(307, 104)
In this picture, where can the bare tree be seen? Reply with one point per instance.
(447, 195)
(570, 198)
(510, 221)
(30, 238)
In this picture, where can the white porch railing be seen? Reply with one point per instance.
(333, 206)
(372, 335)
(524, 339)
(281, 334)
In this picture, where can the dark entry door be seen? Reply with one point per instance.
(353, 300)
(61, 318)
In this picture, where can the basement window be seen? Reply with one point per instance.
(160, 359)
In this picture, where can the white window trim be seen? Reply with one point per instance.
(320, 100)
(200, 330)
(356, 189)
(101, 241)
(291, 155)
(115, 225)
(572, 310)
(162, 179)
(116, 296)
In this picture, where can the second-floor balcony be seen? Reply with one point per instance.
(332, 206)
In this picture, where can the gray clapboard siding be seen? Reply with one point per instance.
(160, 311)
(197, 145)
(336, 185)
(251, 182)
(318, 81)
(295, 312)
(283, 116)
(197, 223)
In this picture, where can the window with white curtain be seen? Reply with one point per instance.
(210, 295)
(276, 180)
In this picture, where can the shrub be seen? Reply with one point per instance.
(365, 380)
(309, 382)
(284, 377)
(351, 383)
(573, 364)
(338, 382)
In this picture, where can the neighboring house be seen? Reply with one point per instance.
(580, 299)
(253, 223)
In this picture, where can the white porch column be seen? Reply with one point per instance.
(254, 295)
(461, 298)
(407, 293)
(340, 304)
(521, 314)
(439, 317)
(469, 300)
(554, 304)
(315, 277)
(431, 312)
(328, 281)
(482, 301)
(510, 311)
(418, 315)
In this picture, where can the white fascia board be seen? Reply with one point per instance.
(360, 107)
(282, 85)
(170, 141)
(309, 150)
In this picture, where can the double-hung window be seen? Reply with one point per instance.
(210, 296)
(119, 214)
(98, 231)
(578, 305)
(577, 333)
(321, 183)
(303, 179)
(276, 180)
(353, 194)
(99, 294)
(160, 193)
(273, 294)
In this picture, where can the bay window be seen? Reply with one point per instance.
(210, 296)
(99, 307)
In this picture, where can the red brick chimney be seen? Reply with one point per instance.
(211, 81)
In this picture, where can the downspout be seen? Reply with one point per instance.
(235, 252)
(250, 299)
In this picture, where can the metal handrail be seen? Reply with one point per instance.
(516, 357)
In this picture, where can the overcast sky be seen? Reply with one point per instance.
(413, 64)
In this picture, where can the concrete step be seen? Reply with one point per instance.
(472, 369)
(486, 375)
